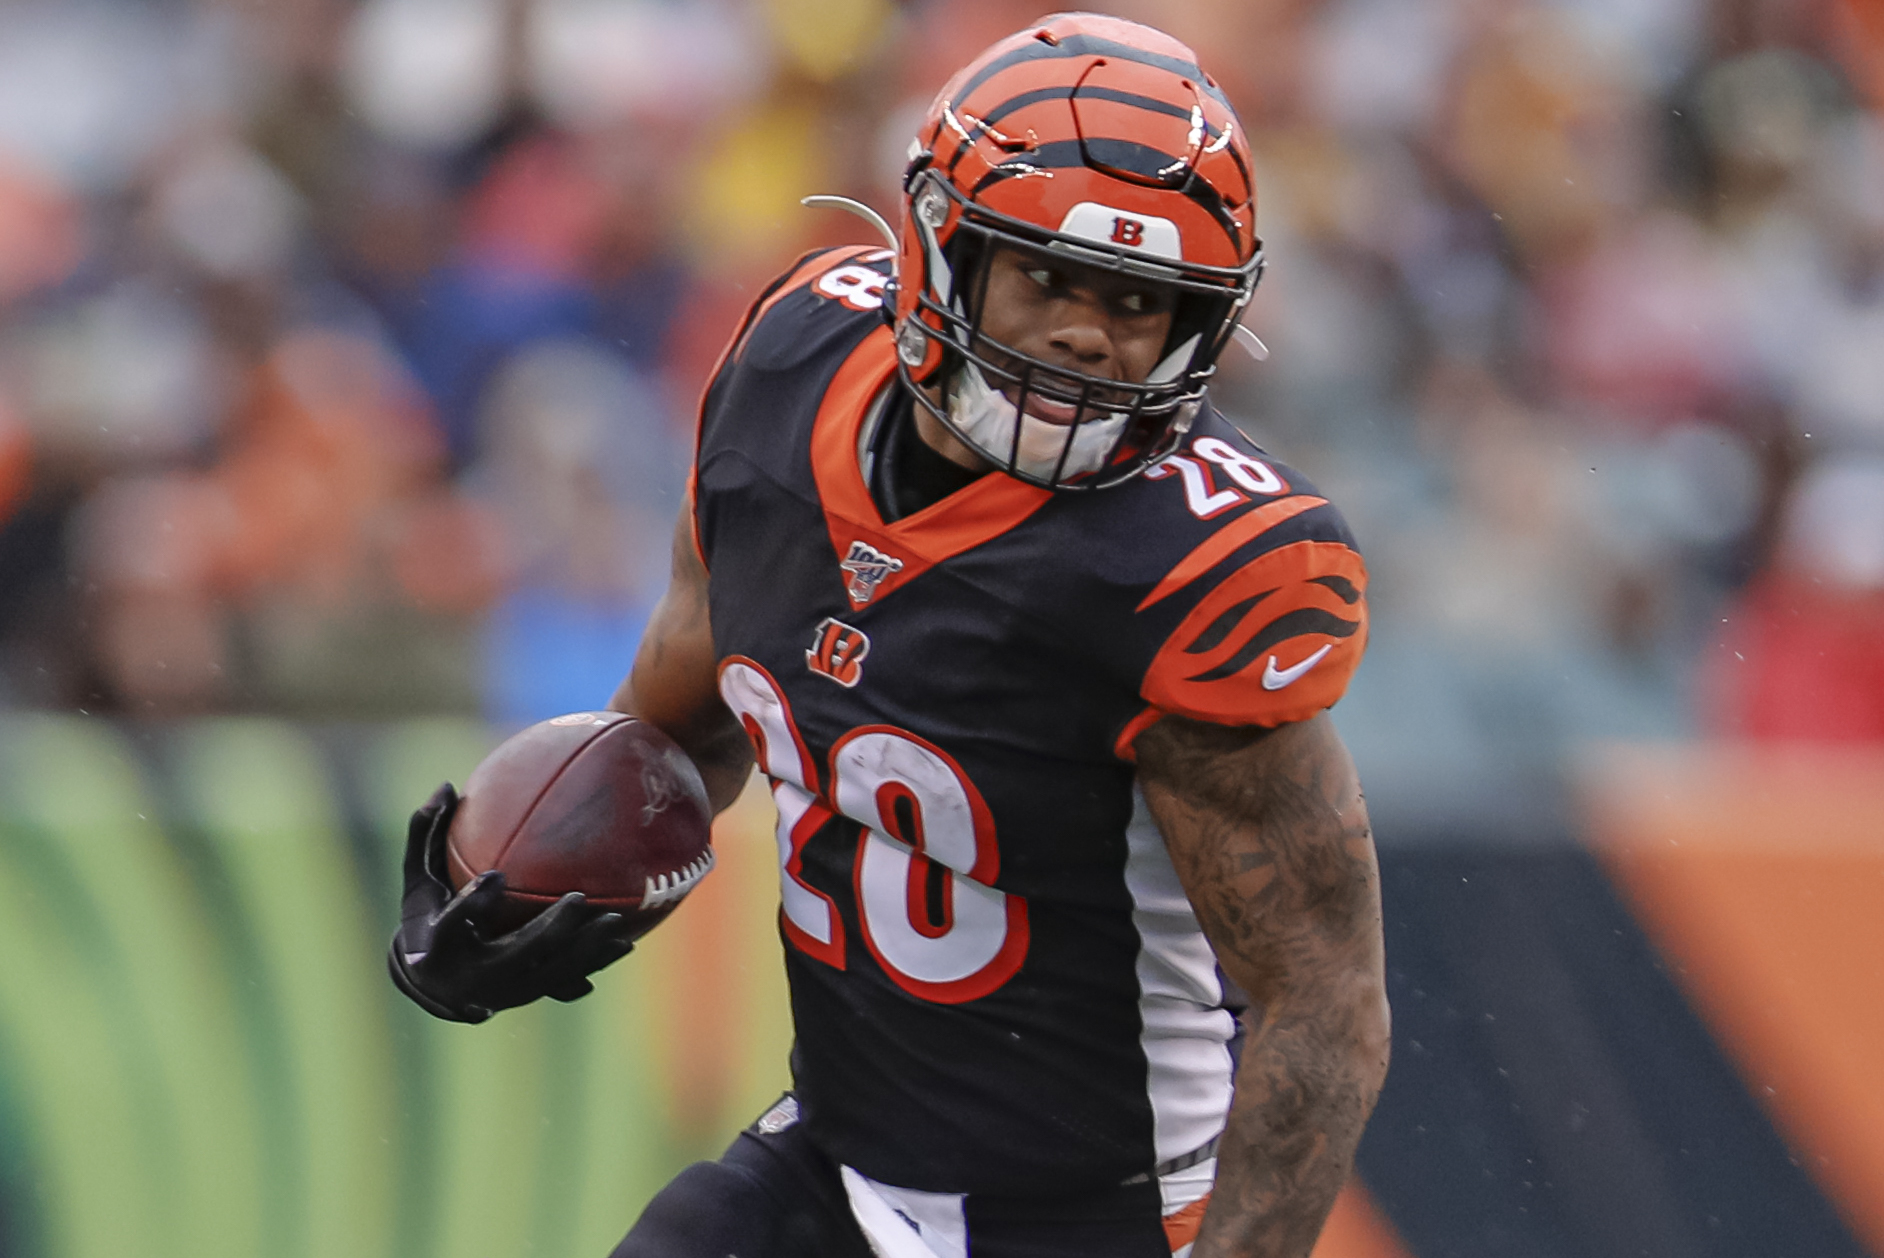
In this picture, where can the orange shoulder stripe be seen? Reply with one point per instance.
(1214, 549)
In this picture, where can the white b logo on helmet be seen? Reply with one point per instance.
(1109, 225)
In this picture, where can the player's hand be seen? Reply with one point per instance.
(454, 969)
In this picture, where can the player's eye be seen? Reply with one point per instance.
(1140, 302)
(1046, 277)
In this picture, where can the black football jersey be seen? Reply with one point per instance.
(995, 989)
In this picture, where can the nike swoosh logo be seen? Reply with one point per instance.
(1276, 678)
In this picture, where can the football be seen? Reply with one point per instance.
(596, 802)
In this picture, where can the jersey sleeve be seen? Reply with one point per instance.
(809, 269)
(1276, 620)
(824, 293)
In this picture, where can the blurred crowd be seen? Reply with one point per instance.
(348, 351)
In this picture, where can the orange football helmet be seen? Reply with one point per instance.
(1099, 142)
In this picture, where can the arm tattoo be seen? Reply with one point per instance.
(1269, 834)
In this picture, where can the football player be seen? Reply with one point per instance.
(967, 558)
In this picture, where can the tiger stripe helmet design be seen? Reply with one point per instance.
(1101, 141)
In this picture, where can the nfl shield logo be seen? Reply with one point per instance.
(867, 567)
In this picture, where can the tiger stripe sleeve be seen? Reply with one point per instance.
(1278, 637)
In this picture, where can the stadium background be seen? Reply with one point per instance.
(346, 357)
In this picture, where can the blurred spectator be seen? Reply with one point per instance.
(1801, 652)
(348, 351)
(581, 468)
(284, 572)
(527, 237)
(39, 230)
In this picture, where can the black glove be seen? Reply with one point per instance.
(452, 970)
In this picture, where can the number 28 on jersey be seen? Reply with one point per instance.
(925, 865)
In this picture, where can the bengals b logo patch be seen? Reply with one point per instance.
(837, 651)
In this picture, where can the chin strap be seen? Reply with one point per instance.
(1251, 342)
